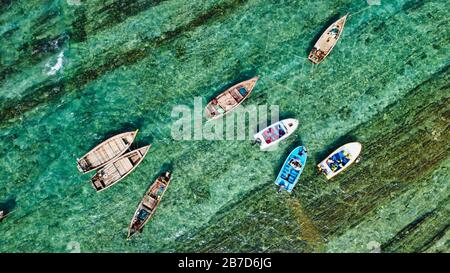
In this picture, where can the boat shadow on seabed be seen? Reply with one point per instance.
(7, 207)
(319, 156)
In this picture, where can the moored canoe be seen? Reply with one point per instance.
(118, 169)
(106, 151)
(228, 100)
(149, 203)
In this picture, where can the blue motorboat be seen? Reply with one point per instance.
(292, 169)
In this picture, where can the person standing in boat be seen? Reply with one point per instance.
(2, 215)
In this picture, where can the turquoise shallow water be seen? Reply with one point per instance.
(73, 73)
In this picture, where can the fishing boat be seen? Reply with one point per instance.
(292, 169)
(276, 132)
(149, 203)
(106, 151)
(118, 169)
(229, 99)
(340, 159)
(327, 41)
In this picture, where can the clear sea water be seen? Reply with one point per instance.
(75, 72)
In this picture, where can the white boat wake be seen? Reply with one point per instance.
(58, 65)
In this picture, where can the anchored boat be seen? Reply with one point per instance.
(118, 169)
(105, 152)
(276, 132)
(229, 99)
(327, 41)
(340, 159)
(292, 169)
(149, 203)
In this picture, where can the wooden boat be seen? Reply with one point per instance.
(106, 151)
(340, 159)
(229, 99)
(292, 169)
(149, 203)
(276, 132)
(118, 169)
(327, 41)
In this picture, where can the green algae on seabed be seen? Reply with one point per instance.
(127, 63)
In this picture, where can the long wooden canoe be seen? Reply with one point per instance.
(149, 203)
(229, 99)
(327, 41)
(340, 159)
(105, 152)
(118, 169)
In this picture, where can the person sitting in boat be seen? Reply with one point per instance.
(323, 170)
(332, 164)
(346, 155)
(301, 151)
(295, 164)
(334, 32)
(281, 133)
(136, 224)
(334, 167)
(160, 191)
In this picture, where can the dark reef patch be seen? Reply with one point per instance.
(4, 4)
(118, 11)
(8, 205)
(77, 30)
(113, 60)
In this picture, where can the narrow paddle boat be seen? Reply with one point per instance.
(118, 169)
(276, 132)
(105, 152)
(340, 159)
(292, 169)
(229, 99)
(149, 203)
(327, 41)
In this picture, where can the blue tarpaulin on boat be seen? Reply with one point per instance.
(292, 169)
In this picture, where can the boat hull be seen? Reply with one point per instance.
(106, 152)
(145, 207)
(327, 41)
(228, 100)
(115, 171)
(340, 159)
(275, 133)
(291, 170)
